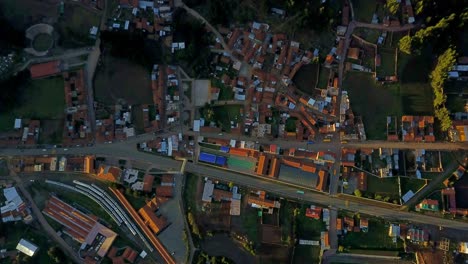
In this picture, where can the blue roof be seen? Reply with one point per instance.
(207, 157)
(225, 149)
(220, 160)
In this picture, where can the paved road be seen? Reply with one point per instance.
(267, 184)
(362, 259)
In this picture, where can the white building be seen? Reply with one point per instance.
(27, 247)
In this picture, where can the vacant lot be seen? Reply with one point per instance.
(387, 66)
(24, 13)
(375, 102)
(363, 10)
(324, 74)
(75, 24)
(308, 228)
(412, 184)
(119, 78)
(41, 99)
(306, 254)
(376, 238)
(227, 114)
(51, 131)
(385, 187)
(306, 78)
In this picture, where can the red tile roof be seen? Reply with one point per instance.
(148, 183)
(44, 69)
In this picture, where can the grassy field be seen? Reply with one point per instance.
(308, 228)
(41, 99)
(225, 93)
(190, 191)
(24, 13)
(383, 186)
(376, 238)
(51, 132)
(387, 66)
(285, 218)
(250, 224)
(306, 254)
(373, 102)
(74, 25)
(306, 78)
(122, 79)
(363, 10)
(412, 184)
(226, 114)
(370, 35)
(323, 78)
(42, 42)
(367, 96)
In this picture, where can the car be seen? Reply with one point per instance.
(44, 149)
(65, 149)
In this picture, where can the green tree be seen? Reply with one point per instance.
(392, 6)
(405, 44)
(57, 255)
(357, 193)
(438, 78)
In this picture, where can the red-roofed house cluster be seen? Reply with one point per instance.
(77, 124)
(152, 17)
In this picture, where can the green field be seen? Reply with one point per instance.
(383, 186)
(370, 35)
(42, 42)
(375, 102)
(412, 184)
(250, 224)
(308, 228)
(323, 78)
(227, 113)
(306, 254)
(306, 78)
(363, 10)
(41, 99)
(112, 82)
(387, 66)
(376, 238)
(75, 24)
(225, 93)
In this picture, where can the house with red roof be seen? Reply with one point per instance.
(46, 69)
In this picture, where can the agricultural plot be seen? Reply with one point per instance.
(40, 99)
(376, 238)
(387, 62)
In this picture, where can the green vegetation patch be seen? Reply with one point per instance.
(40, 99)
(306, 254)
(74, 25)
(250, 224)
(225, 93)
(306, 78)
(324, 74)
(384, 187)
(227, 114)
(113, 82)
(374, 102)
(363, 10)
(387, 66)
(42, 42)
(308, 228)
(376, 238)
(412, 184)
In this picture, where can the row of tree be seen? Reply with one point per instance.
(439, 77)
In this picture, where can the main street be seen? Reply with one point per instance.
(127, 149)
